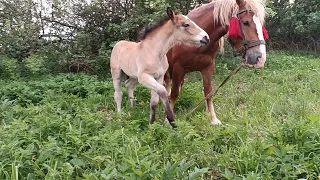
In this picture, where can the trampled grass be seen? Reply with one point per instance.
(65, 127)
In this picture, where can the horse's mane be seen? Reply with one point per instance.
(224, 10)
(152, 27)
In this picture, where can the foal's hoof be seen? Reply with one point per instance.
(173, 125)
(215, 122)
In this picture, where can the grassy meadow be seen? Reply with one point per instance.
(65, 127)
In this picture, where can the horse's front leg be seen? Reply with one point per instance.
(158, 88)
(154, 101)
(130, 85)
(207, 77)
(177, 76)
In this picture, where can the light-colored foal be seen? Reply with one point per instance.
(146, 62)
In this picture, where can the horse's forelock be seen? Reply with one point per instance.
(224, 10)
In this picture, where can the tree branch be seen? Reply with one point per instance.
(61, 23)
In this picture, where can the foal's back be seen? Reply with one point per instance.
(123, 56)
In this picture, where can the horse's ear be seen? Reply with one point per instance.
(170, 13)
(241, 3)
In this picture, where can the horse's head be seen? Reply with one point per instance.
(247, 35)
(186, 31)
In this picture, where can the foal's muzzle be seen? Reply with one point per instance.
(205, 40)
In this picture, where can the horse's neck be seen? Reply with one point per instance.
(202, 10)
(162, 40)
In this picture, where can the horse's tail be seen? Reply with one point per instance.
(221, 45)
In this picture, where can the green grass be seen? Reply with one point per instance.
(65, 127)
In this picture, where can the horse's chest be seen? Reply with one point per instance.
(160, 69)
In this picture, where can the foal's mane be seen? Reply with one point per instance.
(224, 10)
(152, 27)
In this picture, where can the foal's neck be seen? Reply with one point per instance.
(162, 40)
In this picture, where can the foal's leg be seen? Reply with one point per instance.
(116, 78)
(154, 101)
(207, 77)
(157, 86)
(130, 85)
(177, 76)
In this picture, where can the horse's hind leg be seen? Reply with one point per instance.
(130, 85)
(157, 86)
(117, 76)
(207, 77)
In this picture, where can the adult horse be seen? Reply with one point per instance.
(243, 19)
(146, 63)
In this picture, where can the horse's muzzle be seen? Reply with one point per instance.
(253, 57)
(205, 40)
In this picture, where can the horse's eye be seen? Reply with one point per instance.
(246, 23)
(185, 25)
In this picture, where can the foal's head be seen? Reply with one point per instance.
(247, 35)
(186, 31)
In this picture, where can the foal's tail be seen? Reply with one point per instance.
(221, 45)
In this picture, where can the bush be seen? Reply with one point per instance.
(35, 65)
(8, 67)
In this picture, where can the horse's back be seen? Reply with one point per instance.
(123, 57)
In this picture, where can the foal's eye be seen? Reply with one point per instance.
(246, 23)
(185, 25)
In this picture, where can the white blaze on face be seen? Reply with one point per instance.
(201, 34)
(262, 47)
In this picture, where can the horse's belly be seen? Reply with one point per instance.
(130, 71)
(195, 62)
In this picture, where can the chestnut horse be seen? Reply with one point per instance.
(146, 63)
(244, 19)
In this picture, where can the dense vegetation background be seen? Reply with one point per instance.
(53, 36)
(56, 125)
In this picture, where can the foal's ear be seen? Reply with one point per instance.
(170, 13)
(241, 3)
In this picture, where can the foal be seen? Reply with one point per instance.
(146, 63)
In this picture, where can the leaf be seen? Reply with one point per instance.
(197, 173)
(77, 162)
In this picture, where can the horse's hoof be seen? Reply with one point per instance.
(215, 122)
(173, 125)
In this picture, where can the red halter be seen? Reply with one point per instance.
(235, 31)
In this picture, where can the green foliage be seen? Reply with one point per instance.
(73, 32)
(65, 127)
(36, 65)
(294, 25)
(8, 67)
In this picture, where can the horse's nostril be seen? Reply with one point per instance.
(206, 37)
(258, 58)
(204, 40)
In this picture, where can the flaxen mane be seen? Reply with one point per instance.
(224, 10)
(151, 28)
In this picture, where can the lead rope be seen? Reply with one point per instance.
(214, 92)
